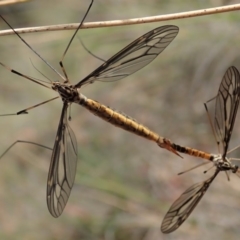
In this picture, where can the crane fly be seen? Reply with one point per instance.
(226, 107)
(130, 59)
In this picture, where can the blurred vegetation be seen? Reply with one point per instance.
(124, 184)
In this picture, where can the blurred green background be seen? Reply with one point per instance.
(124, 184)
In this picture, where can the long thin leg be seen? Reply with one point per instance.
(31, 48)
(70, 42)
(25, 111)
(38, 81)
(22, 141)
(233, 149)
(211, 123)
(188, 170)
(88, 51)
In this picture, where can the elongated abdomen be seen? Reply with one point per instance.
(119, 119)
(123, 121)
(193, 152)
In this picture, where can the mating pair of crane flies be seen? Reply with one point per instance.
(226, 107)
(130, 59)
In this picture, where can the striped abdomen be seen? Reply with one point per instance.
(119, 119)
(193, 152)
(123, 121)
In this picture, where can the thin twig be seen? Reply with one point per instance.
(8, 2)
(132, 21)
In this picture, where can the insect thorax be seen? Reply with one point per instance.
(66, 91)
(224, 164)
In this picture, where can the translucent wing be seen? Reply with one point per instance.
(226, 107)
(184, 205)
(63, 166)
(133, 57)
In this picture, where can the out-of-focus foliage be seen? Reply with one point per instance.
(124, 184)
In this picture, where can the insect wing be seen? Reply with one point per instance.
(226, 107)
(133, 57)
(184, 205)
(63, 166)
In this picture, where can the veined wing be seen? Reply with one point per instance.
(184, 205)
(63, 166)
(226, 107)
(134, 56)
